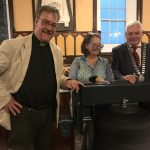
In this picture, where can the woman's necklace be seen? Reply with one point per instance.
(92, 60)
(139, 72)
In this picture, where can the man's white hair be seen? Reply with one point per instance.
(132, 23)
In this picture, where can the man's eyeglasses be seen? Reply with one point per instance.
(47, 23)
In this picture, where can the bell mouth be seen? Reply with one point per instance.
(128, 108)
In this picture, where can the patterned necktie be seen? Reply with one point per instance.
(136, 56)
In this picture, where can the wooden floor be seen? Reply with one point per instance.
(60, 143)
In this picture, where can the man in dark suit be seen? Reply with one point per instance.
(127, 66)
(131, 62)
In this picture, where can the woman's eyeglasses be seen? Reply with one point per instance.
(96, 46)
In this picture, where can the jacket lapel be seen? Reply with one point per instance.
(25, 53)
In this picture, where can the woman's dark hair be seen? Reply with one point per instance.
(87, 41)
(49, 9)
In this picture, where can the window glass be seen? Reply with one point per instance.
(113, 19)
(113, 38)
(104, 13)
(113, 27)
(112, 3)
(105, 26)
(112, 14)
(121, 38)
(104, 4)
(121, 27)
(121, 14)
(121, 3)
(105, 37)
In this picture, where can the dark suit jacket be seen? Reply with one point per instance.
(122, 64)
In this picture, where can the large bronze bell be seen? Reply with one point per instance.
(122, 127)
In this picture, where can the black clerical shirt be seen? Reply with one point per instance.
(39, 86)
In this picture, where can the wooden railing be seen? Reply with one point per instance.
(147, 33)
(75, 35)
